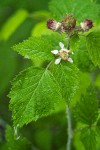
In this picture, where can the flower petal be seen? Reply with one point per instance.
(70, 60)
(57, 61)
(54, 52)
(72, 52)
(61, 45)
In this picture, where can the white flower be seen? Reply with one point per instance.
(64, 54)
(58, 60)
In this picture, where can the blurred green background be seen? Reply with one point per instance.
(20, 19)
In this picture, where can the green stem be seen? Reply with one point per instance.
(68, 147)
(68, 44)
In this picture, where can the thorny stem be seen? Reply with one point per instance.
(68, 147)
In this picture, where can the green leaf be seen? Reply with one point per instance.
(13, 23)
(81, 56)
(81, 9)
(39, 47)
(16, 144)
(67, 76)
(74, 42)
(86, 110)
(88, 138)
(77, 143)
(82, 87)
(93, 45)
(35, 93)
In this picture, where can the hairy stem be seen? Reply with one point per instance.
(68, 147)
(68, 113)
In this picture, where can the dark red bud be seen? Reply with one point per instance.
(89, 23)
(86, 25)
(53, 24)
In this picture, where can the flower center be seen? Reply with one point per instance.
(63, 54)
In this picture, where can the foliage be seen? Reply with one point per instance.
(86, 112)
(38, 47)
(40, 87)
(13, 143)
(93, 46)
(68, 74)
(81, 9)
(81, 56)
(88, 138)
(87, 108)
(39, 94)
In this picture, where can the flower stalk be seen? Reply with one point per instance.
(68, 112)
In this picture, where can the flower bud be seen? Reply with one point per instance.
(69, 22)
(53, 25)
(86, 25)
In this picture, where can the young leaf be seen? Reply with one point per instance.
(88, 138)
(81, 9)
(67, 76)
(35, 93)
(86, 110)
(93, 46)
(16, 144)
(39, 47)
